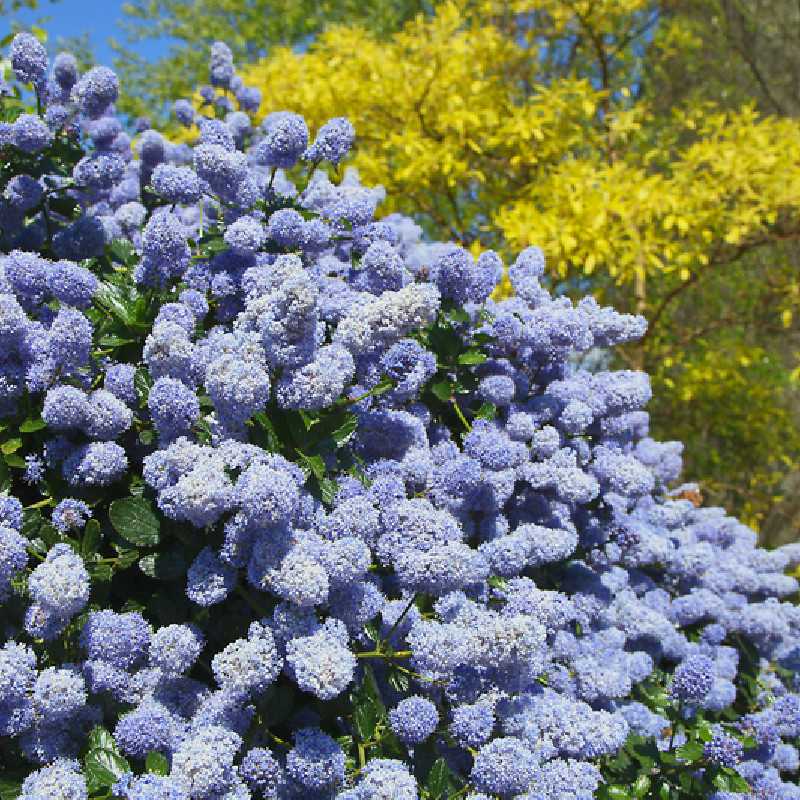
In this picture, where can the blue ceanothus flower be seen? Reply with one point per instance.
(300, 509)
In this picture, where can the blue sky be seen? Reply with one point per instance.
(99, 18)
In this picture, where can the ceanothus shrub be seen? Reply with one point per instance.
(291, 507)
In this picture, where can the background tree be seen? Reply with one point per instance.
(731, 50)
(7, 6)
(738, 52)
(550, 124)
(250, 29)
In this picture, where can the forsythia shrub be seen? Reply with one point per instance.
(292, 509)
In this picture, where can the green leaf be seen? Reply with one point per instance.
(617, 792)
(5, 477)
(704, 731)
(370, 686)
(48, 533)
(347, 743)
(11, 446)
(458, 315)
(399, 681)
(646, 753)
(265, 433)
(440, 780)
(103, 769)
(15, 461)
(669, 758)
(487, 411)
(100, 572)
(690, 751)
(122, 250)
(103, 765)
(368, 705)
(443, 390)
(372, 630)
(722, 782)
(156, 763)
(216, 245)
(133, 605)
(31, 522)
(445, 342)
(10, 787)
(314, 464)
(641, 785)
(472, 358)
(142, 383)
(747, 742)
(345, 430)
(383, 386)
(365, 719)
(111, 298)
(99, 737)
(134, 519)
(687, 781)
(328, 489)
(127, 558)
(737, 782)
(280, 702)
(92, 537)
(309, 419)
(32, 424)
(112, 340)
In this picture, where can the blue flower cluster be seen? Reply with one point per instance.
(305, 510)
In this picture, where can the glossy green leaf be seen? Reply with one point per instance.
(487, 411)
(343, 433)
(122, 250)
(92, 536)
(458, 315)
(314, 464)
(103, 764)
(704, 731)
(722, 782)
(690, 751)
(10, 446)
(15, 461)
(443, 390)
(112, 340)
(365, 719)
(156, 763)
(440, 780)
(472, 358)
(135, 520)
(33, 424)
(100, 572)
(103, 769)
(5, 477)
(328, 489)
